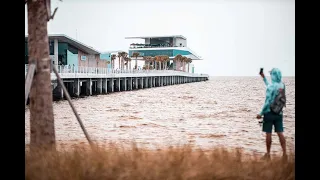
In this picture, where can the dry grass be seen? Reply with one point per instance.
(175, 163)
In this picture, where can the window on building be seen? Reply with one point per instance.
(62, 59)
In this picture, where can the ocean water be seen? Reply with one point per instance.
(218, 112)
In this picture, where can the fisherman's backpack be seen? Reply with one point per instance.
(279, 101)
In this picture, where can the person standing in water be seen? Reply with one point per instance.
(273, 115)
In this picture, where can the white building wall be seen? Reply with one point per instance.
(190, 68)
(182, 41)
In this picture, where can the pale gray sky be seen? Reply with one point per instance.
(234, 37)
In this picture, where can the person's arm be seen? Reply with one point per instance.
(267, 101)
(264, 79)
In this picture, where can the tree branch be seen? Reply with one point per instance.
(54, 12)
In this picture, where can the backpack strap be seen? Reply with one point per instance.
(284, 91)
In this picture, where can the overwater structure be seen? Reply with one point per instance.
(85, 71)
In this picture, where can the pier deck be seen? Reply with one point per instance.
(86, 81)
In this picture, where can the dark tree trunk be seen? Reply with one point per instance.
(42, 133)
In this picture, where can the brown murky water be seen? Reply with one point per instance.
(219, 112)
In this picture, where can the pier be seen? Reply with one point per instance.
(86, 81)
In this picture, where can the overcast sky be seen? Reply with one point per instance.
(234, 37)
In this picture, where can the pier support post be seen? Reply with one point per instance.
(104, 86)
(99, 86)
(125, 84)
(136, 83)
(122, 84)
(141, 80)
(159, 81)
(60, 93)
(129, 83)
(89, 87)
(150, 82)
(153, 81)
(76, 87)
(118, 84)
(110, 85)
(145, 82)
(139, 83)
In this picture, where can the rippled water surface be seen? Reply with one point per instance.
(218, 112)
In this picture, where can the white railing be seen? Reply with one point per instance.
(73, 71)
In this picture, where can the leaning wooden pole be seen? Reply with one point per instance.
(29, 78)
(42, 132)
(72, 106)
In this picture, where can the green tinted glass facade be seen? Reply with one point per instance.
(62, 51)
(181, 52)
(152, 53)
